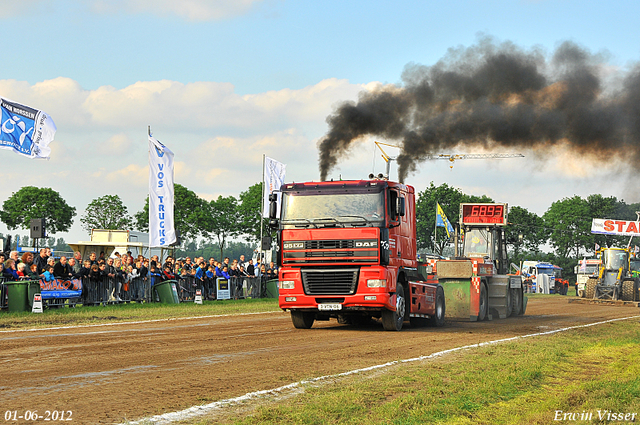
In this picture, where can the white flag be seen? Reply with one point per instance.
(583, 265)
(273, 178)
(161, 226)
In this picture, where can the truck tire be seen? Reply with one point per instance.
(392, 320)
(516, 296)
(437, 319)
(590, 288)
(628, 290)
(302, 319)
(509, 302)
(484, 303)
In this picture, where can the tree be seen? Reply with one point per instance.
(189, 211)
(106, 212)
(530, 226)
(250, 212)
(569, 223)
(449, 199)
(32, 202)
(222, 220)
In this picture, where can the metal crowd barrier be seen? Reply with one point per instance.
(3, 294)
(112, 290)
(107, 290)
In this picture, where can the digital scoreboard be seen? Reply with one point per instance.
(491, 214)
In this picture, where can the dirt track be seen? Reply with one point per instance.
(106, 374)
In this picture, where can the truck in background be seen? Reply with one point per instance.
(586, 269)
(541, 275)
(347, 250)
(476, 284)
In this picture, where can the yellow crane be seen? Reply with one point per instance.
(450, 157)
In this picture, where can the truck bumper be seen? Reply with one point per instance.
(365, 298)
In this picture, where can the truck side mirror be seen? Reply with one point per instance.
(400, 207)
(273, 206)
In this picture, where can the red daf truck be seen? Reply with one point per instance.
(347, 250)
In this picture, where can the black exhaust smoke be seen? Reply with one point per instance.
(496, 96)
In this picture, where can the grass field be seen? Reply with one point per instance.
(132, 311)
(590, 371)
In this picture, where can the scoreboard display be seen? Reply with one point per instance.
(491, 214)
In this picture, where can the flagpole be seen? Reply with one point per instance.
(262, 206)
(435, 230)
(149, 197)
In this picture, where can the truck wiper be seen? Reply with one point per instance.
(337, 223)
(299, 222)
(366, 221)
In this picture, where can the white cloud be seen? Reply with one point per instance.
(217, 135)
(192, 10)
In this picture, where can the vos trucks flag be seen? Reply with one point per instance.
(273, 178)
(25, 130)
(161, 226)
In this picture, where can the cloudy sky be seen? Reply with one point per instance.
(223, 82)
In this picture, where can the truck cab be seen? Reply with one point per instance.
(347, 250)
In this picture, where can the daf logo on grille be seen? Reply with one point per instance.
(365, 244)
(294, 245)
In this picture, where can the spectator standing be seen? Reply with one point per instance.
(41, 260)
(22, 271)
(27, 258)
(251, 268)
(10, 272)
(61, 269)
(72, 267)
(33, 272)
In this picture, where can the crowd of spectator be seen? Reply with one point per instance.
(124, 268)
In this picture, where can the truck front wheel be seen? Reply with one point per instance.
(302, 319)
(438, 318)
(392, 320)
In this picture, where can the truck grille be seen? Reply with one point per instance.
(335, 244)
(330, 281)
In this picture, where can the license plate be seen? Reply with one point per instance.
(515, 283)
(329, 307)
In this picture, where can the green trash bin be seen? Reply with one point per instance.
(272, 288)
(167, 291)
(34, 288)
(18, 293)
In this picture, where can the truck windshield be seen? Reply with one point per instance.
(614, 259)
(548, 272)
(476, 243)
(634, 265)
(325, 209)
(590, 269)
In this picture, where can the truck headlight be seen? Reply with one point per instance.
(377, 283)
(286, 284)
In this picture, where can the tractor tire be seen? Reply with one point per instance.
(484, 302)
(516, 296)
(509, 302)
(437, 320)
(628, 290)
(590, 288)
(392, 320)
(302, 319)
